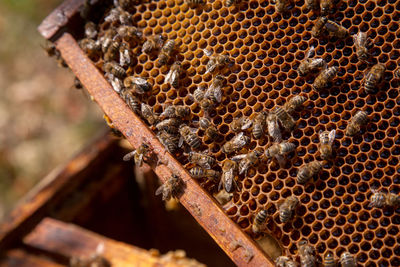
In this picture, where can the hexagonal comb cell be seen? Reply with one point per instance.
(266, 49)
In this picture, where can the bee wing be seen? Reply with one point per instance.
(317, 62)
(193, 130)
(129, 156)
(330, 26)
(310, 52)
(247, 124)
(180, 143)
(332, 135)
(209, 92)
(171, 76)
(159, 190)
(218, 94)
(116, 84)
(207, 52)
(356, 38)
(239, 157)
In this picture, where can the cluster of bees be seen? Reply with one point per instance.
(115, 45)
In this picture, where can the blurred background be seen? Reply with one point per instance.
(44, 120)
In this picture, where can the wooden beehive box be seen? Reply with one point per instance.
(94, 199)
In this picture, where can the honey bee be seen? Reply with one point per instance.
(129, 33)
(112, 51)
(319, 27)
(380, 199)
(107, 38)
(195, 2)
(115, 82)
(95, 260)
(281, 5)
(223, 197)
(335, 29)
(216, 62)
(199, 172)
(209, 129)
(127, 5)
(312, 5)
(308, 65)
(236, 143)
(329, 260)
(90, 30)
(354, 126)
(154, 42)
(326, 7)
(325, 77)
(283, 261)
(170, 125)
(198, 94)
(137, 84)
(175, 111)
(169, 141)
(214, 92)
(166, 52)
(247, 160)
(294, 103)
(347, 260)
(77, 83)
(326, 140)
(362, 43)
(173, 74)
(307, 171)
(259, 124)
(170, 189)
(148, 114)
(278, 150)
(90, 47)
(203, 160)
(306, 253)
(229, 171)
(110, 124)
(131, 100)
(138, 155)
(240, 124)
(259, 221)
(125, 55)
(189, 136)
(118, 15)
(287, 208)
(114, 69)
(286, 120)
(229, 3)
(273, 127)
(373, 78)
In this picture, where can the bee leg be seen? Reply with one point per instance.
(281, 160)
(139, 162)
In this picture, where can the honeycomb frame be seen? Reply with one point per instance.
(267, 48)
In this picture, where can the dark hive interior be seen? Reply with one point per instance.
(267, 48)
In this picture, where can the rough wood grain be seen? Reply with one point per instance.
(20, 258)
(69, 240)
(59, 18)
